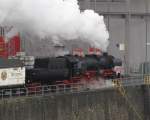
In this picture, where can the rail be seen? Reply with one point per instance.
(73, 88)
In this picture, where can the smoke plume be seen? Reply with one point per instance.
(55, 19)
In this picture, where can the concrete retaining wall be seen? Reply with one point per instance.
(97, 105)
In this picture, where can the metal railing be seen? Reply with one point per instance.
(42, 90)
(132, 81)
(73, 88)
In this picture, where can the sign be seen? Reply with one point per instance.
(4, 75)
(12, 76)
(148, 43)
(121, 47)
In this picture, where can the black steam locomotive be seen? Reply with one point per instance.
(72, 68)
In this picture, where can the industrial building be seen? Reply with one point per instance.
(128, 23)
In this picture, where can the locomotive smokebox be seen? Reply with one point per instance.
(106, 61)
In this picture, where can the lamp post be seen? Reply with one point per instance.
(146, 23)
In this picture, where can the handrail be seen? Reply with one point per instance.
(72, 88)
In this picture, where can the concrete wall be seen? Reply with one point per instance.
(98, 105)
(114, 11)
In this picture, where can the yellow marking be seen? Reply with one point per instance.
(147, 79)
(118, 85)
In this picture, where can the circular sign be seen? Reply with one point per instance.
(4, 75)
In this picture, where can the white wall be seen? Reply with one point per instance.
(137, 41)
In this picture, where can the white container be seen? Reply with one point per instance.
(29, 63)
(29, 58)
(13, 57)
(22, 58)
(20, 54)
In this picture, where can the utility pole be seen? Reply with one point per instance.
(146, 23)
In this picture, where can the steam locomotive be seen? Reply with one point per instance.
(55, 71)
(72, 68)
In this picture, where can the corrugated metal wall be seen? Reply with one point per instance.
(135, 32)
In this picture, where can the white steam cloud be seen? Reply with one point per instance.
(57, 19)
